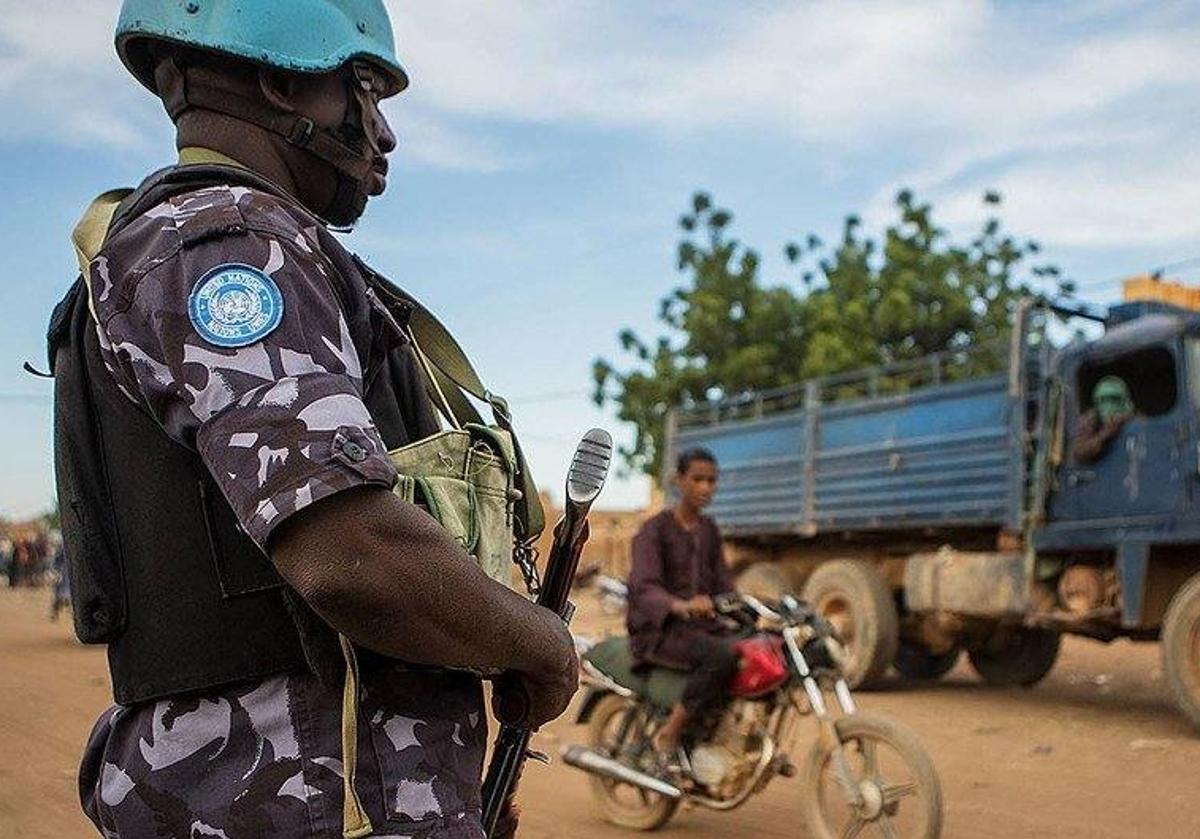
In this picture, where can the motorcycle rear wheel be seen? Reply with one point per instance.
(623, 804)
(899, 787)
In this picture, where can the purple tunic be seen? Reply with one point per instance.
(672, 563)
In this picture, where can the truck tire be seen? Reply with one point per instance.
(765, 580)
(1016, 656)
(854, 597)
(916, 661)
(1181, 649)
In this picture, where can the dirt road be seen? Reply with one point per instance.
(1095, 752)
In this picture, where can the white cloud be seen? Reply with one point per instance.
(428, 140)
(858, 71)
(1080, 113)
(1071, 109)
(60, 79)
(817, 70)
(1095, 197)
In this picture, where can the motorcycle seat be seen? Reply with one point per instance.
(661, 686)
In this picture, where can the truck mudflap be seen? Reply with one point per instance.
(966, 582)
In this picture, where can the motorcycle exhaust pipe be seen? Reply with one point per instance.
(588, 760)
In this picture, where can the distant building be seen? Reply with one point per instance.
(611, 540)
(1157, 289)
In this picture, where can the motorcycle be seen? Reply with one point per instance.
(863, 775)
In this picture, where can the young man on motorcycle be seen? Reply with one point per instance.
(678, 568)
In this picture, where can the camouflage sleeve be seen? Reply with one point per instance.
(274, 410)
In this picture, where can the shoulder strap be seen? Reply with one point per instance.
(452, 377)
(116, 208)
(91, 231)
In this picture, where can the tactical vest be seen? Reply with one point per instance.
(160, 569)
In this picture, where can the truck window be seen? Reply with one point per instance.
(1149, 374)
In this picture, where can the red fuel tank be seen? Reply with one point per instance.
(761, 666)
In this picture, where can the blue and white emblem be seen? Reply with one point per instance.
(235, 306)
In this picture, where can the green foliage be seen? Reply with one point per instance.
(859, 303)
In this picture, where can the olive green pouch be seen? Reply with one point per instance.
(466, 479)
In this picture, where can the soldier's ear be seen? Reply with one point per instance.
(278, 88)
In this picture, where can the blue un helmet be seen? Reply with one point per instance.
(300, 36)
(306, 36)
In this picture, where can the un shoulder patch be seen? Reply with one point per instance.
(235, 306)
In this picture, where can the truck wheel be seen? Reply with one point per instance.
(1181, 649)
(916, 661)
(1016, 656)
(764, 580)
(853, 596)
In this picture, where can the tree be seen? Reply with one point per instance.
(729, 335)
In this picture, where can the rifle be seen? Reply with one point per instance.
(585, 479)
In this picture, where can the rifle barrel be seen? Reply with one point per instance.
(585, 479)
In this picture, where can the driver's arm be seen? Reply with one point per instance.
(1091, 437)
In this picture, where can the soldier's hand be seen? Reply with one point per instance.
(510, 819)
(541, 694)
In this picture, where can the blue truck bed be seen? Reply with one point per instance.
(942, 456)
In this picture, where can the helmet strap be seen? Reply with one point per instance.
(182, 90)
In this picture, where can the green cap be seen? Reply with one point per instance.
(1111, 398)
(306, 36)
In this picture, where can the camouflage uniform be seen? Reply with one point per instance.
(280, 424)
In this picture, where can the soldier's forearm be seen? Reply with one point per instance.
(388, 577)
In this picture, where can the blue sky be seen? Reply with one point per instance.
(548, 148)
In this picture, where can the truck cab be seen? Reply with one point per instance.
(1144, 480)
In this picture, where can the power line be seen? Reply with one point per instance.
(1157, 271)
(1175, 266)
(549, 396)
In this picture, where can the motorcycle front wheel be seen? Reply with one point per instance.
(897, 792)
(618, 730)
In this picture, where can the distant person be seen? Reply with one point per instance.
(39, 559)
(7, 559)
(20, 564)
(61, 596)
(678, 568)
(1112, 407)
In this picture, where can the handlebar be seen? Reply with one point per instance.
(788, 610)
(822, 648)
(744, 609)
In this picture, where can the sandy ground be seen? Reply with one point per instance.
(1094, 752)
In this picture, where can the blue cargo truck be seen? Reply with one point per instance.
(941, 505)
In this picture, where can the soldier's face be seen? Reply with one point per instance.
(331, 101)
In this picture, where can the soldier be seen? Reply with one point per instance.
(228, 383)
